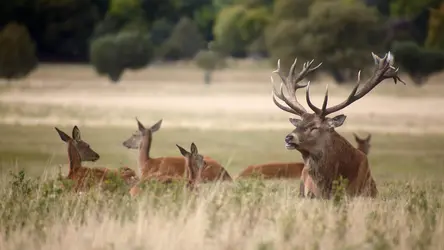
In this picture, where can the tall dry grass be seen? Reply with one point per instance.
(38, 214)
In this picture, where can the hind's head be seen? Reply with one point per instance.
(133, 142)
(363, 143)
(195, 162)
(85, 151)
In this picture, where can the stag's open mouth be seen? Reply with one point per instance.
(290, 145)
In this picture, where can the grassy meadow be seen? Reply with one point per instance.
(233, 121)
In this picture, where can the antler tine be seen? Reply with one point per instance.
(312, 106)
(284, 108)
(306, 69)
(294, 109)
(383, 70)
(294, 106)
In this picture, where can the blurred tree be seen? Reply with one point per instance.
(112, 54)
(280, 35)
(160, 32)
(220, 4)
(204, 18)
(125, 15)
(435, 37)
(226, 30)
(185, 41)
(419, 63)
(62, 28)
(291, 10)
(237, 27)
(209, 61)
(17, 52)
(409, 8)
(336, 32)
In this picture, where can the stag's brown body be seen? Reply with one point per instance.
(308, 187)
(339, 158)
(327, 155)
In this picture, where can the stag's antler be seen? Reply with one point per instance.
(292, 84)
(383, 70)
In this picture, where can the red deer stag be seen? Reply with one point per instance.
(84, 177)
(327, 155)
(290, 170)
(166, 167)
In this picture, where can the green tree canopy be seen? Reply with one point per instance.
(185, 41)
(419, 63)
(237, 27)
(17, 52)
(112, 54)
(332, 33)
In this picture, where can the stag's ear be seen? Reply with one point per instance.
(193, 149)
(140, 125)
(336, 121)
(156, 126)
(63, 135)
(295, 121)
(183, 151)
(76, 133)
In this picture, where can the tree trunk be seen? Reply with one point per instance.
(208, 77)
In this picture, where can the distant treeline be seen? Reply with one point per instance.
(115, 35)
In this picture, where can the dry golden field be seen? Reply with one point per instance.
(235, 122)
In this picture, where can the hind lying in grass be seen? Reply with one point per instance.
(86, 177)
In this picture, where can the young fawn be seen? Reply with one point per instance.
(291, 170)
(195, 163)
(327, 155)
(84, 178)
(168, 167)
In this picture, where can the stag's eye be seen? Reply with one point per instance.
(313, 129)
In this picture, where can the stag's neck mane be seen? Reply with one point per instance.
(144, 152)
(336, 157)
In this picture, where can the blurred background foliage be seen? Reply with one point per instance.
(116, 35)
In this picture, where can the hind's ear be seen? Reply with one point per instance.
(140, 125)
(156, 126)
(369, 137)
(183, 151)
(63, 135)
(356, 137)
(193, 149)
(76, 133)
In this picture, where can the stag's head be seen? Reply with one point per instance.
(133, 142)
(85, 151)
(313, 129)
